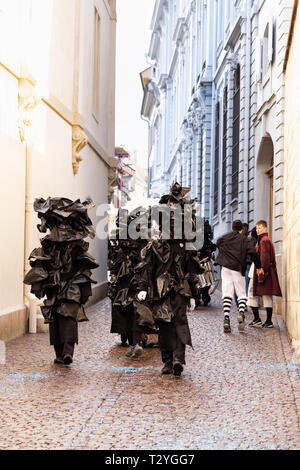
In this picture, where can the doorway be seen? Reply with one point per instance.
(264, 183)
(270, 175)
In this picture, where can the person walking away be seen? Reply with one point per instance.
(264, 282)
(233, 250)
(252, 236)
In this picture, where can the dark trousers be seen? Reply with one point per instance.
(61, 350)
(63, 335)
(168, 356)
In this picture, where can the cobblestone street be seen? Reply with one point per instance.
(238, 391)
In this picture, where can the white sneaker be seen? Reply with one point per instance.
(137, 351)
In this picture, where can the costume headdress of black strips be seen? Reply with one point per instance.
(178, 197)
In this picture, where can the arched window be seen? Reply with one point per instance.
(236, 133)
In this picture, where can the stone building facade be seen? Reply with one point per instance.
(291, 184)
(57, 75)
(215, 106)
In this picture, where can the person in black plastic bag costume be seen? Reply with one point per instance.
(61, 270)
(169, 271)
(131, 319)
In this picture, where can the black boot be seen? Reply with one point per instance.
(177, 369)
(268, 323)
(256, 321)
(124, 339)
(227, 328)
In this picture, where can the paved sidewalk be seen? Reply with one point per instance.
(238, 391)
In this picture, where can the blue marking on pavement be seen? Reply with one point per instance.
(130, 369)
(19, 377)
(280, 366)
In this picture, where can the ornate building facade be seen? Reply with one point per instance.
(57, 75)
(215, 106)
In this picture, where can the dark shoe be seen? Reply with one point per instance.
(124, 339)
(137, 351)
(68, 359)
(167, 368)
(129, 351)
(177, 369)
(58, 360)
(241, 322)
(268, 324)
(256, 322)
(227, 328)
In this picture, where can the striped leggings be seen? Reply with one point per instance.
(233, 282)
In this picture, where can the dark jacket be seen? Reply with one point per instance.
(233, 250)
(167, 274)
(270, 284)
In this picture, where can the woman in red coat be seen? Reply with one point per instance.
(265, 280)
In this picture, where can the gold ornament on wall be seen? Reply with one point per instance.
(28, 100)
(79, 141)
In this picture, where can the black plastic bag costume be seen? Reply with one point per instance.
(130, 318)
(169, 272)
(61, 269)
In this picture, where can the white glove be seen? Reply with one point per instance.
(192, 305)
(142, 295)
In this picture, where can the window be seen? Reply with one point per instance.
(217, 148)
(96, 74)
(224, 148)
(236, 134)
(190, 168)
(200, 160)
(265, 52)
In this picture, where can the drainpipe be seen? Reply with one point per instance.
(148, 156)
(28, 100)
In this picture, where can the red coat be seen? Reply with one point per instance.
(270, 284)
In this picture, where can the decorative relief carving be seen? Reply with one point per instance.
(79, 141)
(233, 60)
(28, 100)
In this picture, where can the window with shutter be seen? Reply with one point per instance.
(217, 148)
(224, 148)
(200, 160)
(236, 133)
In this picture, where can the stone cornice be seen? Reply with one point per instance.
(173, 62)
(158, 12)
(148, 103)
(265, 107)
(153, 45)
(180, 30)
(163, 81)
(235, 33)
